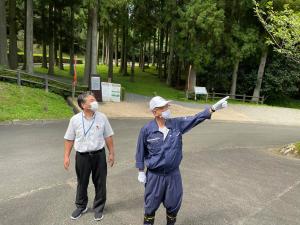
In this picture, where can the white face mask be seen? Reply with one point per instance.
(166, 114)
(94, 106)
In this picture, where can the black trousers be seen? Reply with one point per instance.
(84, 165)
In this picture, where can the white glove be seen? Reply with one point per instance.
(220, 104)
(142, 177)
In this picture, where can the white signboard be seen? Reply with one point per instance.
(111, 92)
(106, 90)
(95, 83)
(200, 90)
(115, 92)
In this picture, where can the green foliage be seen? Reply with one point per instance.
(282, 78)
(283, 27)
(243, 42)
(201, 25)
(212, 35)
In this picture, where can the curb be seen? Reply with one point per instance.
(30, 122)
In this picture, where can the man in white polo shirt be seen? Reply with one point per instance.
(88, 132)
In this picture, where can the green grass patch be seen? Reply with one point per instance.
(297, 147)
(285, 101)
(25, 103)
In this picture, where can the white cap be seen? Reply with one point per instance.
(157, 101)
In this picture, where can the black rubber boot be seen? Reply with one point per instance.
(171, 218)
(149, 219)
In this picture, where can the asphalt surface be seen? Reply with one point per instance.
(230, 176)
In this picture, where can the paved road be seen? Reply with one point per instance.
(230, 176)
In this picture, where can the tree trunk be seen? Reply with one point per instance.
(125, 53)
(94, 40)
(124, 59)
(13, 49)
(234, 79)
(111, 51)
(44, 36)
(149, 53)
(171, 48)
(166, 51)
(29, 36)
(191, 79)
(143, 57)
(3, 35)
(103, 45)
(161, 42)
(140, 55)
(263, 59)
(61, 61)
(107, 49)
(132, 68)
(99, 43)
(178, 71)
(91, 45)
(122, 50)
(116, 47)
(51, 39)
(154, 49)
(87, 66)
(24, 40)
(55, 36)
(72, 42)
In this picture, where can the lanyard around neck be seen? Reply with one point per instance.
(86, 132)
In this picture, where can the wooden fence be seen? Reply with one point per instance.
(242, 98)
(41, 81)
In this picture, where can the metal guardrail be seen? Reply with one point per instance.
(44, 81)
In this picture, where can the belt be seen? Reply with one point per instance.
(90, 152)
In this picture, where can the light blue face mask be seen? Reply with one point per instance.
(166, 114)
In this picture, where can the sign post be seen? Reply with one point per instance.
(96, 87)
(200, 91)
(74, 83)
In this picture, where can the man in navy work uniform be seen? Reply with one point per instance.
(88, 132)
(159, 148)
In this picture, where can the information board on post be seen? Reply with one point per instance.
(96, 87)
(111, 92)
(200, 91)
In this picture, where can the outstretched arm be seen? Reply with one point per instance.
(186, 123)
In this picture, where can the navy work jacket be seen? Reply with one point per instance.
(164, 155)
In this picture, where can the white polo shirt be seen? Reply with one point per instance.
(88, 134)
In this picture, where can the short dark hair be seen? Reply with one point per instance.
(81, 99)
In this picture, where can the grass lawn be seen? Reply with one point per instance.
(24, 103)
